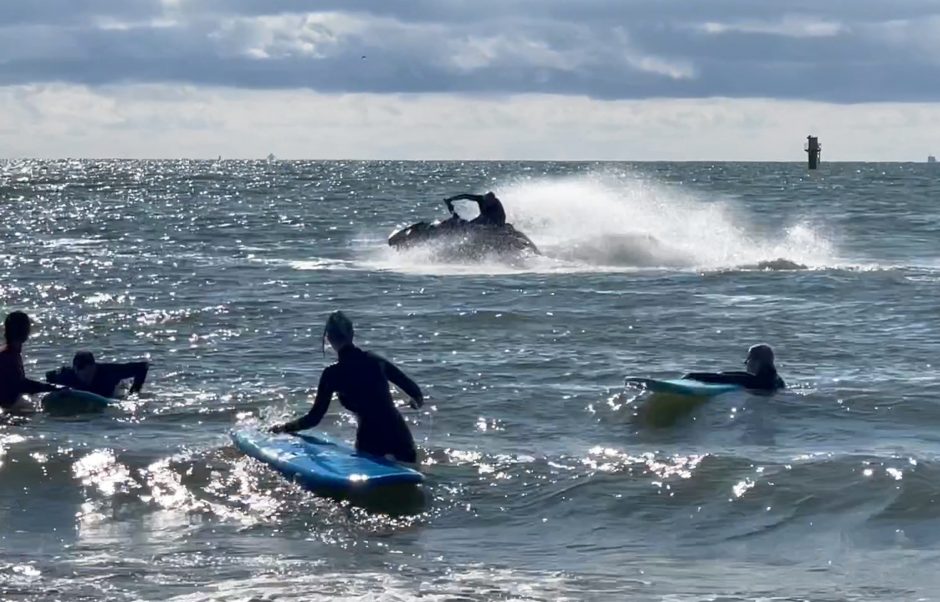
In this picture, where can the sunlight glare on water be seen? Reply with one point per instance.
(543, 482)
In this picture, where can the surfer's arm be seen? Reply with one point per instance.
(321, 404)
(741, 379)
(721, 378)
(58, 377)
(401, 380)
(135, 370)
(31, 387)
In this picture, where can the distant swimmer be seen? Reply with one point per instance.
(491, 209)
(761, 373)
(360, 379)
(99, 378)
(13, 381)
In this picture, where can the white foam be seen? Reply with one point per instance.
(621, 220)
(295, 581)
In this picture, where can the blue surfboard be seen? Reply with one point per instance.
(73, 401)
(683, 386)
(320, 463)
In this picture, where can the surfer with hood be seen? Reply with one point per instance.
(360, 379)
(760, 372)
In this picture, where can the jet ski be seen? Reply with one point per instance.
(461, 238)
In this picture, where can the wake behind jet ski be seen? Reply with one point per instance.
(489, 233)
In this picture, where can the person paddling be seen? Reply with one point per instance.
(760, 372)
(85, 374)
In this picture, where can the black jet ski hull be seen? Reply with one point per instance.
(464, 239)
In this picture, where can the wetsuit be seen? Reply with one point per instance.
(765, 380)
(13, 381)
(107, 378)
(361, 380)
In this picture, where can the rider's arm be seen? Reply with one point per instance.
(723, 378)
(325, 390)
(477, 198)
(742, 379)
(59, 376)
(401, 380)
(136, 370)
(31, 387)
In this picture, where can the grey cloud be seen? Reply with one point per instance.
(73, 12)
(841, 50)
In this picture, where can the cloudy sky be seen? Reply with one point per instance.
(487, 79)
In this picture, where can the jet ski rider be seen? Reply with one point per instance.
(491, 210)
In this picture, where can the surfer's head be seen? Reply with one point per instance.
(16, 328)
(84, 366)
(338, 330)
(759, 359)
(489, 198)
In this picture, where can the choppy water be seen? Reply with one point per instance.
(541, 484)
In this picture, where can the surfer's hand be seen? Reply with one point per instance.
(416, 403)
(278, 428)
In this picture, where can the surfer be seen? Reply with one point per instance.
(491, 209)
(361, 378)
(13, 381)
(760, 375)
(99, 378)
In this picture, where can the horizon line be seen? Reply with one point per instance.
(502, 160)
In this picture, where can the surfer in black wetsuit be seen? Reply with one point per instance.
(98, 378)
(761, 373)
(491, 209)
(13, 382)
(361, 378)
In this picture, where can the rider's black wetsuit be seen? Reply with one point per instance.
(361, 380)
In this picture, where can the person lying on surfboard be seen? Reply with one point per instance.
(99, 378)
(13, 381)
(761, 373)
(361, 378)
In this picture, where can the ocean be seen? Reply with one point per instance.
(542, 484)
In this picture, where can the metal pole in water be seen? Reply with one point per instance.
(813, 149)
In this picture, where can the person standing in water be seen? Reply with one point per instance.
(13, 381)
(491, 209)
(760, 375)
(99, 378)
(361, 378)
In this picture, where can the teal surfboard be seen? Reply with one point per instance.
(682, 386)
(317, 462)
(73, 401)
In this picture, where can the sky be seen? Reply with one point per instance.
(470, 79)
